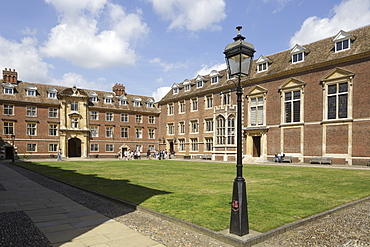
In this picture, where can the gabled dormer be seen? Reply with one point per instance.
(8, 88)
(93, 97)
(175, 88)
(52, 93)
(199, 81)
(342, 41)
(187, 85)
(137, 101)
(122, 99)
(215, 76)
(31, 90)
(263, 63)
(149, 103)
(108, 98)
(298, 54)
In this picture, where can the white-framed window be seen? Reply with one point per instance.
(74, 106)
(94, 147)
(139, 148)
(262, 67)
(52, 95)
(187, 87)
(292, 106)
(94, 130)
(124, 132)
(109, 148)
(109, 132)
(8, 128)
(74, 123)
(181, 145)
(139, 133)
(209, 143)
(31, 129)
(181, 127)
(256, 111)
(170, 129)
(175, 90)
(194, 126)
(123, 102)
(30, 92)
(8, 110)
(31, 147)
(94, 99)
(151, 133)
(298, 57)
(298, 54)
(124, 117)
(194, 104)
(226, 98)
(208, 125)
(151, 148)
(214, 79)
(31, 111)
(109, 116)
(337, 100)
(53, 147)
(200, 84)
(138, 118)
(108, 100)
(170, 109)
(53, 112)
(137, 103)
(94, 115)
(182, 106)
(342, 41)
(53, 130)
(209, 101)
(220, 130)
(151, 119)
(194, 144)
(8, 90)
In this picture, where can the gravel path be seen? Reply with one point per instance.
(349, 227)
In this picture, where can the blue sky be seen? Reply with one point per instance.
(148, 45)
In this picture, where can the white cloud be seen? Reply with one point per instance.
(24, 57)
(78, 39)
(160, 93)
(280, 4)
(70, 79)
(205, 70)
(168, 66)
(348, 15)
(193, 15)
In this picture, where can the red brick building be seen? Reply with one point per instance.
(311, 100)
(82, 123)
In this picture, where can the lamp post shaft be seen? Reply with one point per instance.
(239, 212)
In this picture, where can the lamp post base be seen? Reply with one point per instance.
(239, 213)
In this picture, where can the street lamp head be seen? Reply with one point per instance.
(239, 55)
(13, 137)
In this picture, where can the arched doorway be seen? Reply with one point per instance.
(74, 147)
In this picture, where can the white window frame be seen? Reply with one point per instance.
(31, 111)
(170, 128)
(138, 118)
(94, 147)
(94, 130)
(194, 126)
(94, 115)
(8, 110)
(124, 117)
(124, 132)
(139, 133)
(109, 116)
(53, 129)
(109, 130)
(53, 112)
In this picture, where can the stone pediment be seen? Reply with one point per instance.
(337, 74)
(292, 83)
(257, 90)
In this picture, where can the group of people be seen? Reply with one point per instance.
(127, 155)
(279, 157)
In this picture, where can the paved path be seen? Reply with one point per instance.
(63, 221)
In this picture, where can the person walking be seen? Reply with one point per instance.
(59, 155)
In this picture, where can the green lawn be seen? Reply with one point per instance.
(200, 192)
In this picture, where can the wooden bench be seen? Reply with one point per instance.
(207, 156)
(321, 160)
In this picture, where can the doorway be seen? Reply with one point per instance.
(74, 147)
(9, 151)
(256, 146)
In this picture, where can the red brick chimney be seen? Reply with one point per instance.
(10, 76)
(119, 89)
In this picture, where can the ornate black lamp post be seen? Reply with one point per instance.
(239, 56)
(13, 154)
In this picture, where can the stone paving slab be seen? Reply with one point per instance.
(63, 221)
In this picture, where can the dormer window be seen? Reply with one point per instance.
(31, 90)
(175, 88)
(123, 100)
(187, 86)
(262, 63)
(199, 84)
(137, 101)
(214, 76)
(8, 88)
(342, 41)
(150, 103)
(93, 97)
(52, 93)
(297, 54)
(108, 98)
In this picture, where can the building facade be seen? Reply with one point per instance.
(38, 120)
(311, 100)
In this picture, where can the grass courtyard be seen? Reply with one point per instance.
(200, 192)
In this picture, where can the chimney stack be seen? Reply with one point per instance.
(119, 89)
(10, 76)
